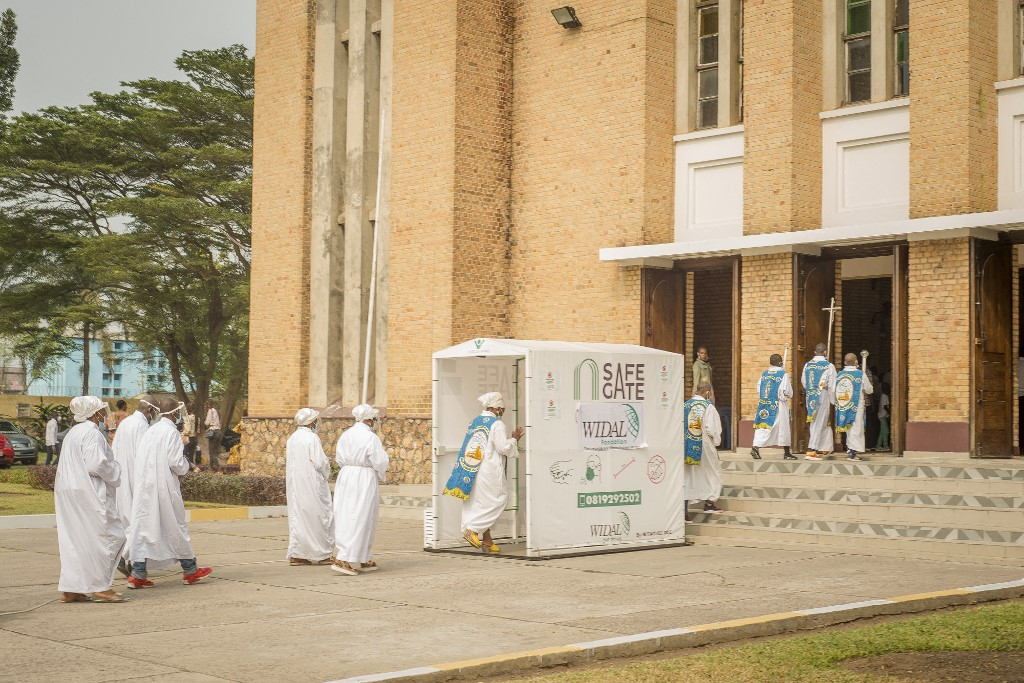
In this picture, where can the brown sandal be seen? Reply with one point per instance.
(75, 597)
(368, 566)
(297, 561)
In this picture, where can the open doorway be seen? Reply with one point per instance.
(713, 330)
(867, 299)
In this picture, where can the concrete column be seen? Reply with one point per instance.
(1009, 40)
(360, 187)
(882, 50)
(330, 79)
(378, 364)
(686, 58)
(833, 63)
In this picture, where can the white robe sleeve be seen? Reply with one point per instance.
(178, 464)
(785, 388)
(503, 445)
(320, 461)
(713, 425)
(99, 460)
(379, 458)
(867, 386)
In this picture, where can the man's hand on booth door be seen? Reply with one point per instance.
(517, 433)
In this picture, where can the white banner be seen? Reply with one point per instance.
(603, 426)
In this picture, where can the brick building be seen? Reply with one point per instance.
(671, 173)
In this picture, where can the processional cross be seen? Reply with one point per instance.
(831, 322)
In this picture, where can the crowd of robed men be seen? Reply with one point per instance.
(119, 506)
(824, 386)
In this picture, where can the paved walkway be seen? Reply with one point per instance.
(258, 619)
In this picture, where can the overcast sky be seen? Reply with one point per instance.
(70, 48)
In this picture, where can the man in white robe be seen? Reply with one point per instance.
(489, 495)
(89, 531)
(775, 432)
(703, 482)
(837, 388)
(159, 537)
(364, 466)
(820, 372)
(307, 475)
(125, 445)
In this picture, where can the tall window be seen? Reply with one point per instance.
(1020, 33)
(858, 50)
(901, 33)
(707, 65)
(740, 60)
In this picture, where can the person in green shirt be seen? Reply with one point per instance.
(702, 371)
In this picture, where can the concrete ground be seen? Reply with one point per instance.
(258, 619)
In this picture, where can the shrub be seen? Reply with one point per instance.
(41, 476)
(233, 489)
(14, 476)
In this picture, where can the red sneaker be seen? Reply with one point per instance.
(139, 583)
(198, 575)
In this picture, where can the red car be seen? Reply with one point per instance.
(6, 452)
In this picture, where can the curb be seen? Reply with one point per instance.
(199, 515)
(697, 636)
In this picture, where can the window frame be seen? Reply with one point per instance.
(701, 68)
(848, 39)
(897, 29)
(1019, 33)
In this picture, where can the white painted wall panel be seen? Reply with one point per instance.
(709, 184)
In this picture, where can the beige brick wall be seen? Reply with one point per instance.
(939, 331)
(279, 317)
(767, 315)
(591, 166)
(953, 132)
(782, 131)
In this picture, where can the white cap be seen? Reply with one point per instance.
(84, 407)
(492, 400)
(306, 416)
(364, 411)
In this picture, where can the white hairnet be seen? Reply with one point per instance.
(364, 411)
(492, 400)
(306, 416)
(84, 407)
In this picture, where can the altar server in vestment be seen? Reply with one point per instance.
(816, 378)
(159, 537)
(307, 475)
(771, 419)
(125, 445)
(488, 496)
(364, 466)
(90, 535)
(703, 471)
(849, 389)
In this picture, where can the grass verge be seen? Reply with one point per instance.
(22, 499)
(817, 658)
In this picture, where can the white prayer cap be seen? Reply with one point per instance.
(364, 411)
(84, 407)
(492, 400)
(306, 416)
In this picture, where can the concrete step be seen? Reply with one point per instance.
(913, 508)
(876, 477)
(953, 543)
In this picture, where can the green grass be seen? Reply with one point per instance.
(815, 658)
(22, 499)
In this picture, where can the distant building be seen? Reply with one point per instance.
(12, 378)
(131, 372)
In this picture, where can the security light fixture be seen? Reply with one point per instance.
(566, 17)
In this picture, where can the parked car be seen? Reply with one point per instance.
(6, 453)
(26, 450)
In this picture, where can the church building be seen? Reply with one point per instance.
(673, 173)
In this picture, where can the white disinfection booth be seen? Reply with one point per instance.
(601, 465)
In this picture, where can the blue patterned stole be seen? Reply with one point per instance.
(768, 398)
(813, 372)
(693, 416)
(848, 383)
(471, 455)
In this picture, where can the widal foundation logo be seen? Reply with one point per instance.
(616, 530)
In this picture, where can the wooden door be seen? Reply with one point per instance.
(898, 390)
(815, 287)
(993, 356)
(664, 309)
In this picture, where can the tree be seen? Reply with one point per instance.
(139, 204)
(10, 61)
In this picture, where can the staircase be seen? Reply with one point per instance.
(942, 508)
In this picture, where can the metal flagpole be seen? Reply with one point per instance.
(373, 262)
